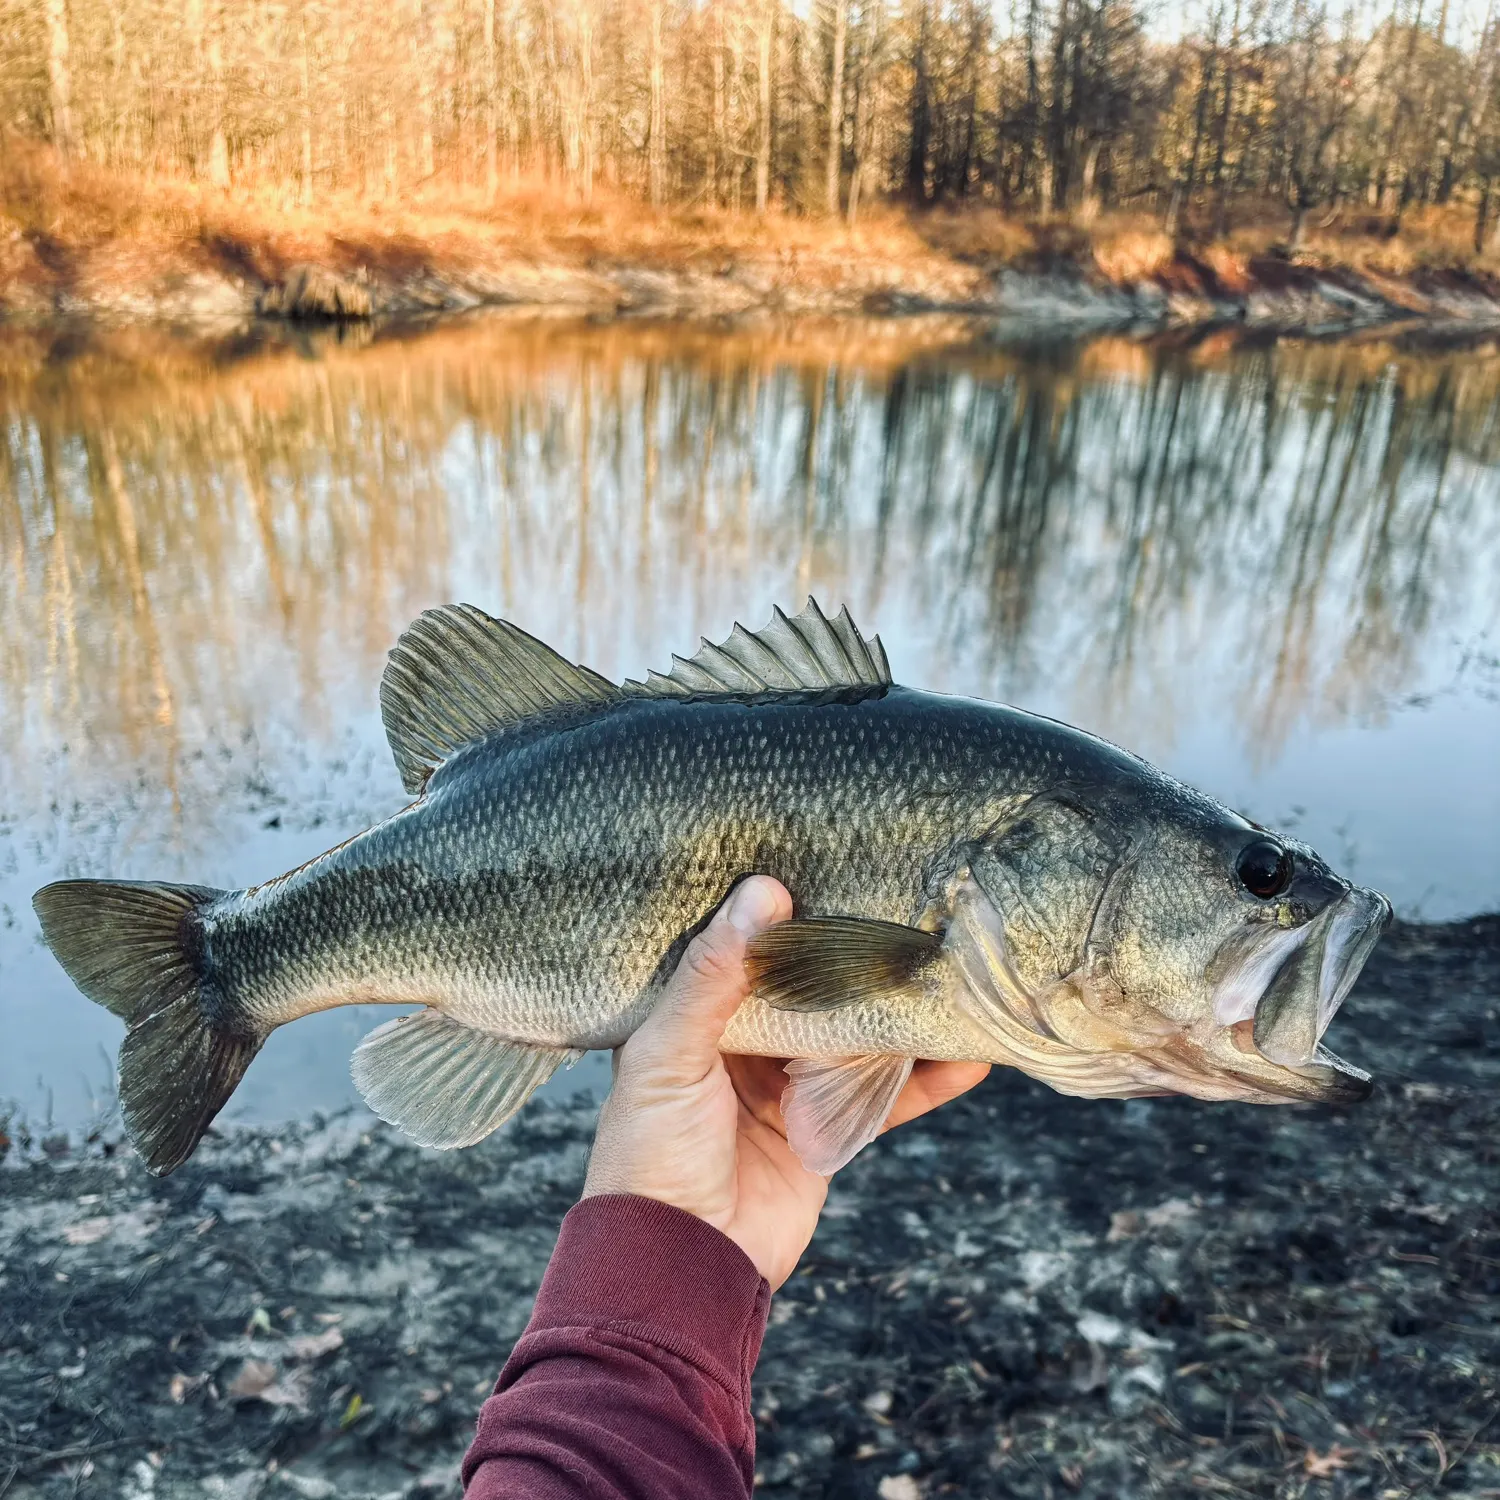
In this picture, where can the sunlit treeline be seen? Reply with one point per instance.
(192, 560)
(1320, 106)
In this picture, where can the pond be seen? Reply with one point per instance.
(1273, 568)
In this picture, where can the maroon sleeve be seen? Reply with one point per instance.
(632, 1379)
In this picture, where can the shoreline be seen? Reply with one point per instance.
(1275, 297)
(82, 243)
(1021, 1293)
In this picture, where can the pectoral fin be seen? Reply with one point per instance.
(446, 1084)
(825, 963)
(835, 1107)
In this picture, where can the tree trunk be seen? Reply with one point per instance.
(866, 106)
(60, 78)
(586, 103)
(717, 152)
(765, 38)
(305, 192)
(835, 163)
(1221, 134)
(656, 144)
(1088, 202)
(921, 113)
(488, 114)
(203, 36)
(1394, 200)
(1200, 118)
(1056, 176)
(427, 110)
(1033, 109)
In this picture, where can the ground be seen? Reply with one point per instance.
(1021, 1295)
(78, 241)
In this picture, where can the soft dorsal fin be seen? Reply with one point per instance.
(457, 675)
(807, 651)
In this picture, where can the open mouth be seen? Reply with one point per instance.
(1294, 981)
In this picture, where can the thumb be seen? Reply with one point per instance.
(682, 1033)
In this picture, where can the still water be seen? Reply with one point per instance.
(1273, 569)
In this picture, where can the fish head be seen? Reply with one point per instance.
(1250, 942)
(1185, 950)
(1247, 943)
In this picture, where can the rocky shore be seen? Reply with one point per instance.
(1022, 1295)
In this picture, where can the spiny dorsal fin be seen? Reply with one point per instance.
(789, 655)
(457, 675)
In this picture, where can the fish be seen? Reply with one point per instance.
(971, 882)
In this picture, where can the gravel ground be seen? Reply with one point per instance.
(1023, 1295)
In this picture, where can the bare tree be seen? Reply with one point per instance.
(1044, 105)
(60, 77)
(835, 167)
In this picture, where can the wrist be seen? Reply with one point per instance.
(634, 1263)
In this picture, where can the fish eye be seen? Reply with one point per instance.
(1264, 868)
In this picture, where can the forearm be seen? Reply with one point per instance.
(632, 1379)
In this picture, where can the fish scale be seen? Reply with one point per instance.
(971, 882)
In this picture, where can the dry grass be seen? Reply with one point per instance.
(83, 228)
(1131, 249)
(52, 218)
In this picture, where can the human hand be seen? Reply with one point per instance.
(689, 1126)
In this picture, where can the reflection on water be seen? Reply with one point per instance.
(1273, 569)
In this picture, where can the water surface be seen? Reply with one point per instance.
(1274, 569)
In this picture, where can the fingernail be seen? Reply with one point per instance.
(752, 906)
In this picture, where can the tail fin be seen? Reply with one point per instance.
(136, 947)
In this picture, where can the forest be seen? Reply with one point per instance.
(1305, 113)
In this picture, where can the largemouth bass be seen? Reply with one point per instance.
(972, 882)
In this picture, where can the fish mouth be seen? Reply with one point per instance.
(1291, 984)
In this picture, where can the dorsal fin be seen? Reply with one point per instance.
(457, 675)
(808, 651)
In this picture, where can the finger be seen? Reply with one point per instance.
(932, 1084)
(683, 1030)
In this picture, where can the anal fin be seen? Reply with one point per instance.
(834, 1107)
(445, 1084)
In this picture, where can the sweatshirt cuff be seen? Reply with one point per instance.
(646, 1270)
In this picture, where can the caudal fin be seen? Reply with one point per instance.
(137, 948)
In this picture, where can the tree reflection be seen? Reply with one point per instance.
(192, 552)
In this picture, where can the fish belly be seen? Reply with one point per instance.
(915, 1027)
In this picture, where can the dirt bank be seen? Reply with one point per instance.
(77, 241)
(217, 283)
(1023, 1295)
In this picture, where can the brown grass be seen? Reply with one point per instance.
(82, 228)
(56, 220)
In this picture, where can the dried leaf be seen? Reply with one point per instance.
(256, 1375)
(1325, 1465)
(258, 1379)
(315, 1345)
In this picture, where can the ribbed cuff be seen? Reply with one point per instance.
(651, 1271)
